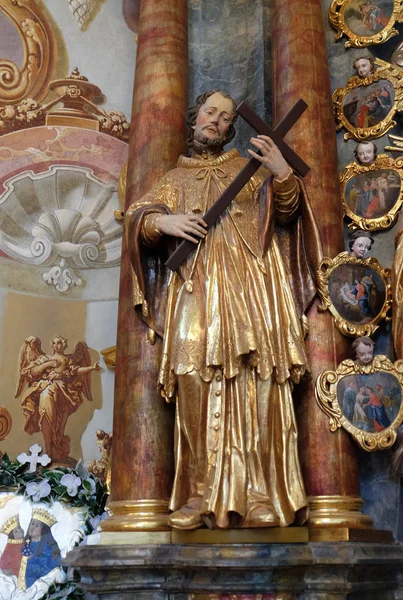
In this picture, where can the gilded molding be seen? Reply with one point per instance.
(324, 273)
(338, 21)
(40, 54)
(385, 221)
(386, 72)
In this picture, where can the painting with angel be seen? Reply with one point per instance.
(51, 388)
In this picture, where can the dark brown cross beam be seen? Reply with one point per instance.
(277, 134)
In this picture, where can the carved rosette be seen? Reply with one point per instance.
(327, 400)
(385, 72)
(40, 53)
(337, 19)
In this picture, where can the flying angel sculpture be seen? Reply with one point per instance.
(57, 384)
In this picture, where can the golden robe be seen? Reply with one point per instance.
(233, 342)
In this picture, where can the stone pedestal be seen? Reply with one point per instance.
(306, 571)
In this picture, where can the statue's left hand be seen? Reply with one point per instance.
(98, 368)
(271, 158)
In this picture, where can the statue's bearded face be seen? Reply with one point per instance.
(212, 123)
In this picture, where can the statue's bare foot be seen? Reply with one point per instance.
(187, 517)
(260, 515)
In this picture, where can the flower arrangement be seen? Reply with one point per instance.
(77, 487)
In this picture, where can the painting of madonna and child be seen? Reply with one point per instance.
(366, 18)
(357, 292)
(368, 105)
(373, 194)
(370, 402)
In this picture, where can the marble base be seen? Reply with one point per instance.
(306, 571)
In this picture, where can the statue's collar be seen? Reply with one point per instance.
(189, 162)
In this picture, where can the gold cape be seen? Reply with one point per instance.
(232, 335)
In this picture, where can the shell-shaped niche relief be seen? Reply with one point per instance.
(63, 220)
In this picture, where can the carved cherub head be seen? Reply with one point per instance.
(360, 243)
(211, 121)
(364, 349)
(364, 66)
(365, 153)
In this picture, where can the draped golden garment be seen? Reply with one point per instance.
(232, 345)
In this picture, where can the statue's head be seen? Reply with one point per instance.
(211, 122)
(59, 343)
(360, 243)
(365, 152)
(364, 349)
(364, 66)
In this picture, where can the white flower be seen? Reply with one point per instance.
(71, 483)
(38, 490)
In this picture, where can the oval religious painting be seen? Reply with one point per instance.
(365, 18)
(371, 402)
(373, 194)
(368, 105)
(357, 292)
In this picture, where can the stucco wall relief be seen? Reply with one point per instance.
(61, 219)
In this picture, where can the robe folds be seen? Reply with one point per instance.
(231, 320)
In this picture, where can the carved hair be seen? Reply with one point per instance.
(364, 339)
(369, 58)
(357, 234)
(193, 111)
(361, 144)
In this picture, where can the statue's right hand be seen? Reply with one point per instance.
(184, 226)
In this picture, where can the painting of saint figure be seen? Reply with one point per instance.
(358, 293)
(370, 402)
(373, 194)
(368, 105)
(367, 17)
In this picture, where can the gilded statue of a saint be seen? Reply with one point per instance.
(232, 323)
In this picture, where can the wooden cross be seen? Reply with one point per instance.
(277, 134)
(34, 459)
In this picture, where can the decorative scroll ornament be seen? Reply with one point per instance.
(372, 195)
(365, 107)
(5, 423)
(76, 231)
(365, 23)
(40, 54)
(356, 291)
(366, 400)
(101, 468)
(76, 94)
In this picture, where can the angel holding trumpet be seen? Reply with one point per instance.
(57, 384)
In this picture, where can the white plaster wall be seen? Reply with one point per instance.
(100, 333)
(105, 52)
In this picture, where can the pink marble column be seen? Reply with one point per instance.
(328, 459)
(142, 457)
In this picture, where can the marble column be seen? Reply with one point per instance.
(300, 68)
(142, 457)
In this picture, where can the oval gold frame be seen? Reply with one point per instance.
(40, 53)
(360, 134)
(381, 162)
(326, 398)
(326, 268)
(336, 18)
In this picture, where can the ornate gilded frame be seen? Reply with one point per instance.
(40, 53)
(386, 71)
(337, 19)
(326, 268)
(327, 400)
(382, 162)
